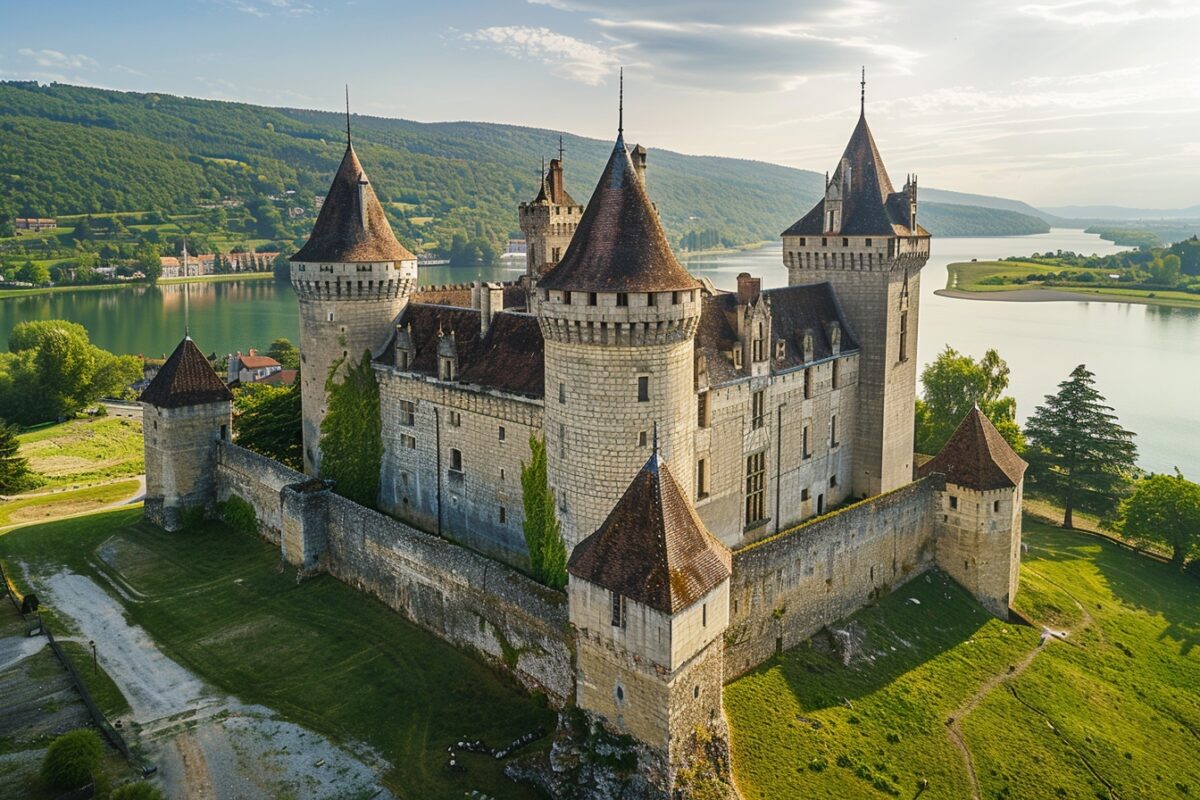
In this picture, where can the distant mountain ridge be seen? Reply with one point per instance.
(69, 149)
(1113, 213)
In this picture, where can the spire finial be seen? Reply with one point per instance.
(621, 104)
(347, 115)
(560, 149)
(862, 99)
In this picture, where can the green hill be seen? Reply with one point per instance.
(73, 150)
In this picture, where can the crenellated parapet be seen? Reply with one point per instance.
(377, 281)
(619, 319)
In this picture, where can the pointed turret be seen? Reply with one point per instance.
(620, 245)
(977, 457)
(186, 379)
(653, 548)
(352, 226)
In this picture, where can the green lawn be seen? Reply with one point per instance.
(970, 276)
(318, 652)
(31, 508)
(1116, 706)
(84, 451)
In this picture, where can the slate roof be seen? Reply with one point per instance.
(871, 206)
(794, 309)
(619, 245)
(186, 379)
(509, 357)
(339, 234)
(977, 457)
(653, 548)
(553, 190)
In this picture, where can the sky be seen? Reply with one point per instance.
(1049, 101)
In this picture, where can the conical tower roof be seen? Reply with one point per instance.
(977, 457)
(619, 245)
(186, 379)
(653, 548)
(351, 226)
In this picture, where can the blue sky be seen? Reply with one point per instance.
(1050, 101)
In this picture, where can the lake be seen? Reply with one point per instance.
(1146, 358)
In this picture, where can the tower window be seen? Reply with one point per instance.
(650, 298)
(833, 480)
(622, 299)
(758, 409)
(803, 241)
(696, 692)
(756, 488)
(904, 336)
(566, 298)
(562, 393)
(807, 441)
(837, 363)
(330, 317)
(953, 502)
(703, 418)
(701, 478)
(503, 515)
(996, 506)
(833, 431)
(703, 622)
(808, 383)
(643, 389)
(804, 495)
(591, 298)
(455, 460)
(502, 433)
(845, 242)
(408, 412)
(868, 242)
(642, 439)
(618, 616)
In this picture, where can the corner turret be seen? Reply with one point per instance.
(548, 222)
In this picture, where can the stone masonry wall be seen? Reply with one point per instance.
(786, 587)
(259, 481)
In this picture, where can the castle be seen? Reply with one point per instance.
(732, 470)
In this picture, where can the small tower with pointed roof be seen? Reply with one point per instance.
(649, 599)
(187, 410)
(978, 542)
(352, 279)
(863, 238)
(548, 222)
(618, 316)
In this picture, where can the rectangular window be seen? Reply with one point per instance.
(702, 418)
(456, 459)
(566, 298)
(996, 506)
(557, 253)
(643, 389)
(953, 501)
(562, 440)
(806, 436)
(803, 241)
(808, 383)
(502, 433)
(845, 242)
(756, 488)
(622, 299)
(704, 615)
(455, 419)
(833, 480)
(833, 431)
(562, 393)
(618, 610)
(904, 336)
(868, 242)
(837, 373)
(758, 410)
(408, 442)
(804, 495)
(642, 439)
(701, 478)
(503, 515)
(650, 298)
(591, 298)
(408, 412)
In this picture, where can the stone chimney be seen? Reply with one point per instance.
(405, 350)
(806, 345)
(447, 350)
(748, 288)
(638, 155)
(491, 303)
(835, 337)
(556, 181)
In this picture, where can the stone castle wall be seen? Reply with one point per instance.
(461, 596)
(180, 452)
(786, 587)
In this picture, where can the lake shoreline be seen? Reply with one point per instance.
(1032, 295)
(99, 287)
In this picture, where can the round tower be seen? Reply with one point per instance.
(352, 278)
(618, 315)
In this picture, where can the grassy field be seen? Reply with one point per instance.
(84, 451)
(318, 652)
(1112, 711)
(34, 507)
(970, 276)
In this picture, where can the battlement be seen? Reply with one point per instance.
(854, 253)
(375, 281)
(619, 319)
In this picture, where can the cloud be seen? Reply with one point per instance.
(580, 61)
(1088, 13)
(53, 59)
(264, 8)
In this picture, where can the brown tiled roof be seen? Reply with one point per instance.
(653, 548)
(509, 357)
(284, 377)
(460, 296)
(257, 362)
(871, 206)
(977, 457)
(186, 379)
(339, 234)
(619, 245)
(794, 309)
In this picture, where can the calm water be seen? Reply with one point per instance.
(1146, 358)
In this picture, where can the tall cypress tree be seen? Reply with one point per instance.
(1078, 454)
(543, 534)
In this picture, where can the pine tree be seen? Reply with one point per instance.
(14, 468)
(1078, 454)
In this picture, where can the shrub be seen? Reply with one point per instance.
(137, 791)
(238, 514)
(72, 759)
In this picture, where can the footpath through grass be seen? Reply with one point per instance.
(320, 653)
(31, 508)
(84, 451)
(1114, 711)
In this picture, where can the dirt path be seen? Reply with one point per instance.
(208, 746)
(138, 496)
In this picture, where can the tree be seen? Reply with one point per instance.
(72, 760)
(37, 274)
(351, 433)
(267, 420)
(286, 353)
(1078, 455)
(543, 534)
(15, 475)
(147, 260)
(1164, 510)
(951, 385)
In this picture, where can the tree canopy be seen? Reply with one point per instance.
(15, 475)
(1079, 456)
(1164, 510)
(267, 420)
(286, 353)
(951, 385)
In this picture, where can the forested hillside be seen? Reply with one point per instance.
(73, 150)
